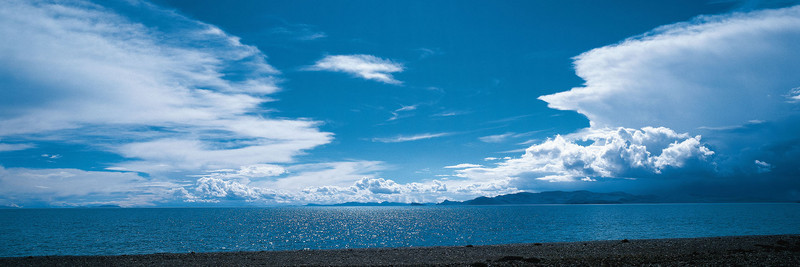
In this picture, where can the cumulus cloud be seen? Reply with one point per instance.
(333, 182)
(216, 190)
(712, 71)
(376, 190)
(380, 189)
(330, 182)
(274, 184)
(730, 77)
(365, 66)
(611, 153)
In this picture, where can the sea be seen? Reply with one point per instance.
(118, 231)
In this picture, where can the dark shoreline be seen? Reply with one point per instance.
(781, 250)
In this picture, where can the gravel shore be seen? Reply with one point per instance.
(777, 250)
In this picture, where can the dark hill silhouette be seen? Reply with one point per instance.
(557, 197)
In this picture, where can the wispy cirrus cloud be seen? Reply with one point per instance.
(497, 138)
(407, 138)
(72, 187)
(451, 113)
(463, 166)
(396, 113)
(300, 32)
(428, 52)
(364, 66)
(14, 147)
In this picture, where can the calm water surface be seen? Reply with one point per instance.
(26, 232)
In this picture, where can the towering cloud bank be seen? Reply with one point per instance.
(713, 71)
(731, 77)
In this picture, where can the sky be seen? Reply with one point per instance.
(255, 103)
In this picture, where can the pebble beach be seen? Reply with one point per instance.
(774, 250)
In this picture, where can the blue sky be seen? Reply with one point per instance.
(187, 103)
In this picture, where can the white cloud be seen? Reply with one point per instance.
(70, 187)
(272, 184)
(463, 166)
(301, 32)
(332, 182)
(450, 113)
(376, 190)
(714, 71)
(763, 167)
(365, 66)
(498, 138)
(172, 93)
(620, 152)
(403, 138)
(328, 173)
(407, 108)
(379, 189)
(245, 173)
(396, 112)
(14, 147)
(261, 170)
(427, 52)
(215, 189)
(794, 95)
(731, 77)
(261, 184)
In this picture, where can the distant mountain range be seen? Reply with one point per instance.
(557, 197)
(564, 197)
(549, 197)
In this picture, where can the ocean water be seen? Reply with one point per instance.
(25, 232)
